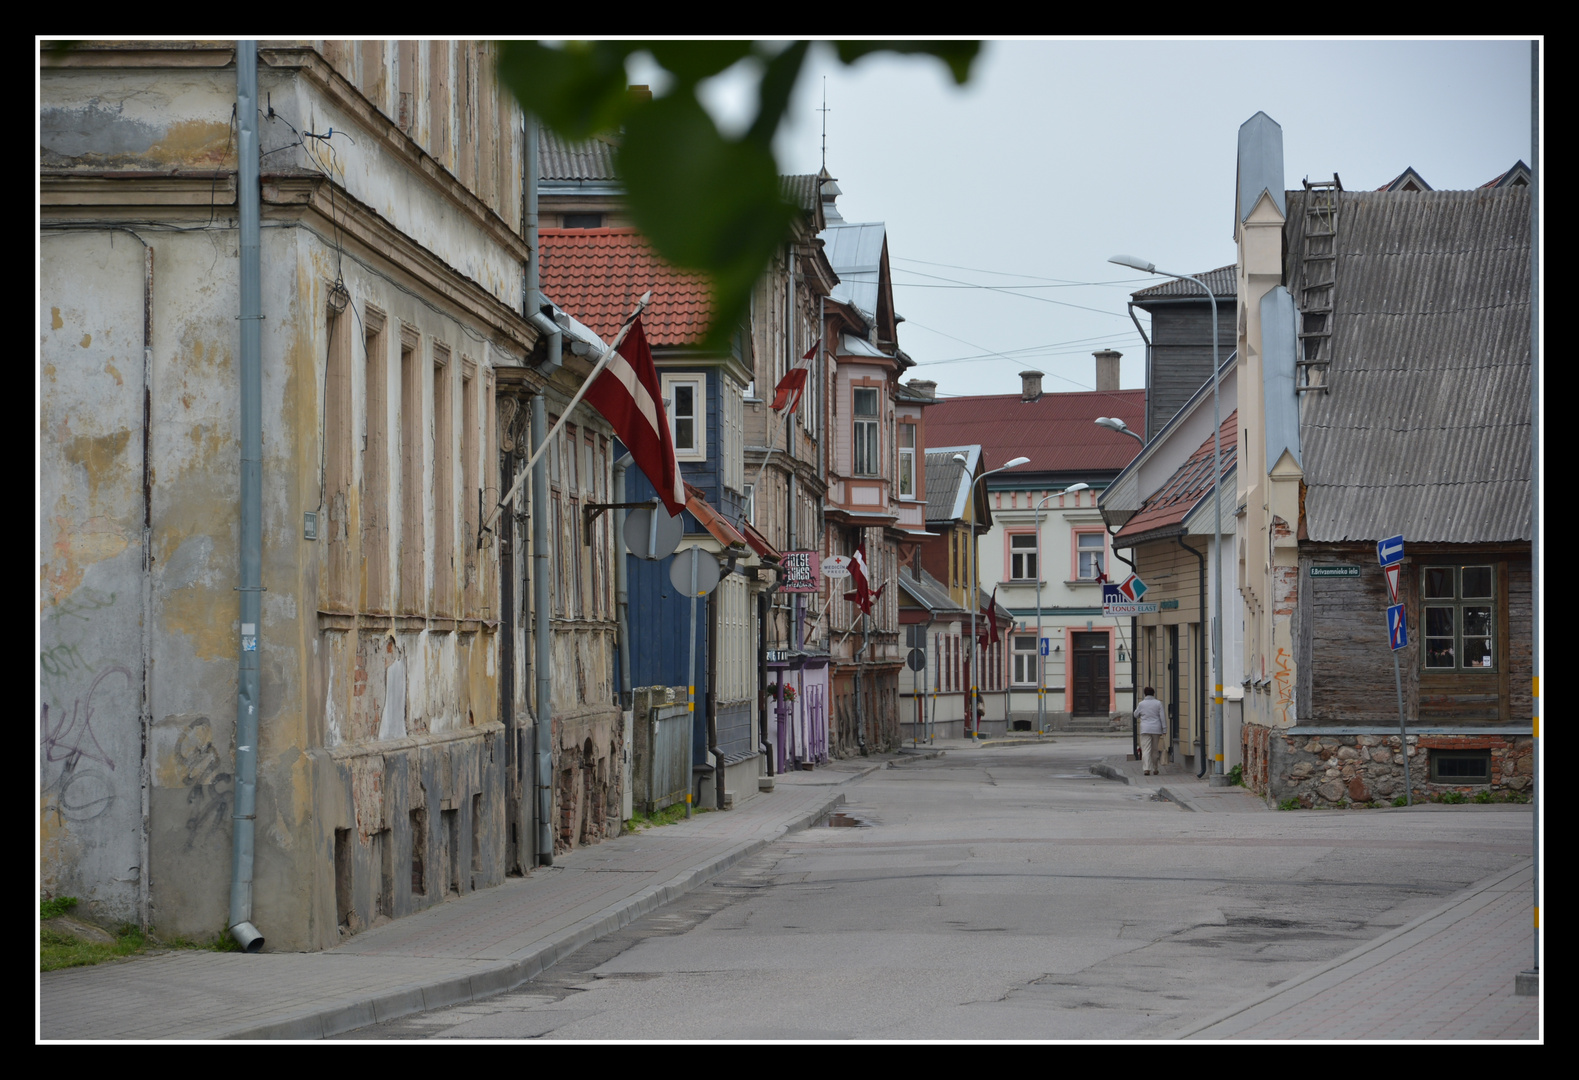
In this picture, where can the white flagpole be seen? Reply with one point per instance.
(603, 360)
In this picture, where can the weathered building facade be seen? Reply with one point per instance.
(1384, 391)
(394, 647)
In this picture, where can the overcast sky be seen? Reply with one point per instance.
(1059, 154)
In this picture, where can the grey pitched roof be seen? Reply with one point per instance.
(558, 159)
(931, 594)
(1426, 430)
(1224, 282)
(947, 482)
(855, 251)
(802, 190)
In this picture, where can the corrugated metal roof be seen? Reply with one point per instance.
(599, 274)
(802, 189)
(1189, 484)
(1224, 282)
(1057, 432)
(1426, 430)
(558, 159)
(855, 251)
(947, 483)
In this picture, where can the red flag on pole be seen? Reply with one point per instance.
(989, 626)
(630, 398)
(789, 390)
(860, 577)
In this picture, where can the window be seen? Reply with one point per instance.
(683, 397)
(1022, 556)
(1458, 606)
(907, 461)
(1461, 766)
(865, 445)
(751, 503)
(583, 221)
(1090, 555)
(1025, 659)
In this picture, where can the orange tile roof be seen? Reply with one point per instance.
(1189, 484)
(597, 275)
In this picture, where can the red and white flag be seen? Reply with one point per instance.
(860, 577)
(989, 625)
(791, 386)
(630, 398)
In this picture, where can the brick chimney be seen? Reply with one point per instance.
(1107, 369)
(1030, 385)
(923, 387)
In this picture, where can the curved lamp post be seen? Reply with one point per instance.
(1218, 778)
(975, 583)
(1113, 423)
(1041, 664)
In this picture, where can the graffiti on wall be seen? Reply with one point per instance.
(208, 787)
(1283, 681)
(76, 766)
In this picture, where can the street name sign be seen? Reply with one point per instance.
(1334, 571)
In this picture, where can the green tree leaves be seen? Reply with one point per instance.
(706, 202)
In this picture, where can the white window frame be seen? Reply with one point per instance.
(907, 459)
(698, 451)
(1029, 553)
(1025, 661)
(1078, 551)
(860, 421)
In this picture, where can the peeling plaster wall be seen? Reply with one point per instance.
(90, 555)
(381, 786)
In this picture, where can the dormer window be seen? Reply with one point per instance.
(583, 221)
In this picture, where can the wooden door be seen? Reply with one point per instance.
(1091, 688)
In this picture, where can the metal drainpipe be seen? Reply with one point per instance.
(1147, 429)
(712, 698)
(543, 653)
(1134, 640)
(512, 748)
(246, 790)
(543, 770)
(621, 582)
(1200, 689)
(764, 605)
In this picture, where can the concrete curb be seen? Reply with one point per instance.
(1352, 955)
(320, 1022)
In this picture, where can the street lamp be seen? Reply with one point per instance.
(1218, 778)
(974, 577)
(1113, 423)
(1041, 666)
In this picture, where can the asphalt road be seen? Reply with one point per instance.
(1000, 894)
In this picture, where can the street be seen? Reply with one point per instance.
(1002, 892)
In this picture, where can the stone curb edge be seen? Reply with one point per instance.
(1183, 801)
(322, 1022)
(1353, 954)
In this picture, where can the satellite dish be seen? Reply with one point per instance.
(694, 572)
(652, 534)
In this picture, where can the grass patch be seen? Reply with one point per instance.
(667, 816)
(55, 907)
(58, 950)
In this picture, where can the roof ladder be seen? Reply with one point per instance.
(1318, 263)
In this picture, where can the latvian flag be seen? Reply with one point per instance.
(860, 576)
(789, 390)
(629, 396)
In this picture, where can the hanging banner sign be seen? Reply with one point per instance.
(836, 566)
(1116, 601)
(798, 572)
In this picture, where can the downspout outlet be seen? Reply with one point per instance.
(247, 936)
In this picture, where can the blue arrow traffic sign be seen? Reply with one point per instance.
(1390, 551)
(1397, 631)
(1046, 644)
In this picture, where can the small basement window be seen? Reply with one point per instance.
(1461, 766)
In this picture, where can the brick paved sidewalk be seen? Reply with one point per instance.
(463, 950)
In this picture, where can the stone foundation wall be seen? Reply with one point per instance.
(1339, 770)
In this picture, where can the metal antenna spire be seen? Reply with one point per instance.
(824, 111)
